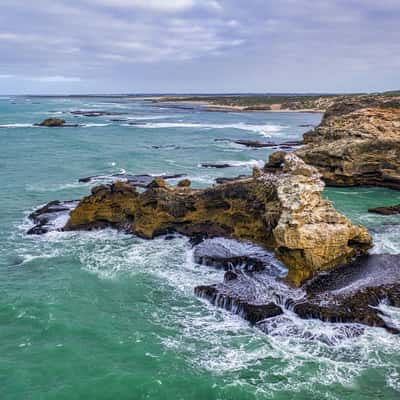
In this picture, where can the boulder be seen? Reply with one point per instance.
(52, 122)
(184, 183)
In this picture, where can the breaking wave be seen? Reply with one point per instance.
(265, 130)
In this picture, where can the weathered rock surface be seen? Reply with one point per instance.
(283, 211)
(357, 146)
(351, 293)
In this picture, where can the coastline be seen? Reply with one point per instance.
(212, 107)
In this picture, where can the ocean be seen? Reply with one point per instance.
(105, 315)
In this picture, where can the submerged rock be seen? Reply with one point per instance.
(391, 210)
(211, 165)
(254, 143)
(283, 212)
(89, 113)
(223, 180)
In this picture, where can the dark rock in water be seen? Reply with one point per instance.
(223, 180)
(51, 217)
(166, 147)
(210, 165)
(231, 254)
(351, 293)
(96, 113)
(52, 122)
(257, 144)
(306, 126)
(292, 143)
(347, 295)
(254, 143)
(391, 210)
(56, 123)
(249, 263)
(250, 288)
(230, 301)
(137, 180)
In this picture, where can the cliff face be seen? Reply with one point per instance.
(356, 146)
(282, 211)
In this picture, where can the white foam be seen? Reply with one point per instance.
(56, 187)
(249, 163)
(386, 240)
(214, 340)
(265, 130)
(150, 117)
(17, 126)
(94, 125)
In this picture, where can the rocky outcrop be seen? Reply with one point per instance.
(283, 212)
(357, 146)
(56, 123)
(52, 122)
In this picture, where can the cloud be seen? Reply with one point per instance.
(158, 5)
(169, 6)
(257, 45)
(55, 79)
(44, 79)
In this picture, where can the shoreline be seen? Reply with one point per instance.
(211, 107)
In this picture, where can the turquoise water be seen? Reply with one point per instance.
(103, 315)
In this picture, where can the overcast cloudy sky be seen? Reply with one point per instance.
(98, 46)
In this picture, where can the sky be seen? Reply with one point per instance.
(198, 46)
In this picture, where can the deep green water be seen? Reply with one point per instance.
(103, 315)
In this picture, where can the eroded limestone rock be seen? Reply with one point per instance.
(354, 146)
(283, 212)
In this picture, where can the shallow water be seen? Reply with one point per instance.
(106, 315)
